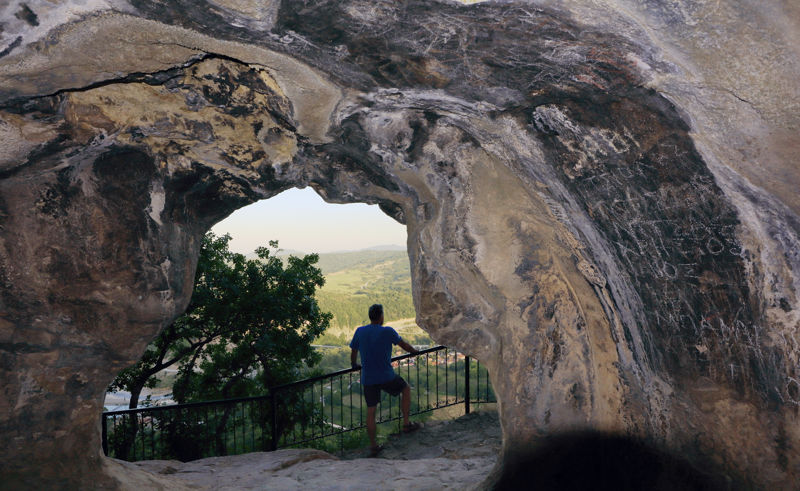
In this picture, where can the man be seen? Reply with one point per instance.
(374, 341)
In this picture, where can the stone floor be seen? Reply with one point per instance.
(454, 454)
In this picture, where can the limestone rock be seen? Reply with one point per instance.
(313, 469)
(600, 199)
(467, 449)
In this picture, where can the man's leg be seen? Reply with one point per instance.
(371, 427)
(398, 386)
(372, 394)
(405, 403)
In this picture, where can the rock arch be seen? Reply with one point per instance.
(568, 225)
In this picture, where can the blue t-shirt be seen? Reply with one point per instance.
(374, 342)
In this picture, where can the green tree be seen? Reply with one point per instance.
(249, 325)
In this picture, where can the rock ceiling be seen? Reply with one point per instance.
(601, 199)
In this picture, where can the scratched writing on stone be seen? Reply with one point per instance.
(674, 234)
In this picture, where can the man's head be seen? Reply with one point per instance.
(376, 314)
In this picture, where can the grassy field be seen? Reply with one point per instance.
(353, 282)
(356, 280)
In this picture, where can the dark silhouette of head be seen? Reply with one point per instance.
(600, 461)
(376, 313)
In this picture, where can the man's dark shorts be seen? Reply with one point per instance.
(372, 393)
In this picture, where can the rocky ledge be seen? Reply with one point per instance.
(457, 454)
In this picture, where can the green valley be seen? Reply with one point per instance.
(356, 280)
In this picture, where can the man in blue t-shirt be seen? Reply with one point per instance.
(374, 341)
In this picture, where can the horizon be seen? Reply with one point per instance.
(382, 247)
(302, 222)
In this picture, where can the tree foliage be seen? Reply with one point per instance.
(248, 326)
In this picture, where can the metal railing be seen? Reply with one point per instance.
(314, 410)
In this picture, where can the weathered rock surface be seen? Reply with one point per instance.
(601, 200)
(456, 454)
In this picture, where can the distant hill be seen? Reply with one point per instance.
(379, 248)
(356, 280)
(282, 253)
(390, 247)
(333, 262)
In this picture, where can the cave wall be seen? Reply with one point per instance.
(600, 199)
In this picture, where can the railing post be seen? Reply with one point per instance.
(274, 425)
(466, 385)
(105, 433)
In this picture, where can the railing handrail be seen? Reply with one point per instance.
(271, 390)
(208, 428)
(185, 405)
(349, 370)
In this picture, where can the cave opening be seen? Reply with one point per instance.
(362, 253)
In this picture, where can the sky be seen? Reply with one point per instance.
(301, 221)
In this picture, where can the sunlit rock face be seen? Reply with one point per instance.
(600, 198)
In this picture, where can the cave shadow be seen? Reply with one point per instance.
(595, 460)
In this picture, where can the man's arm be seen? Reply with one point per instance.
(354, 358)
(407, 347)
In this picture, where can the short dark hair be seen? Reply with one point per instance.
(375, 312)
